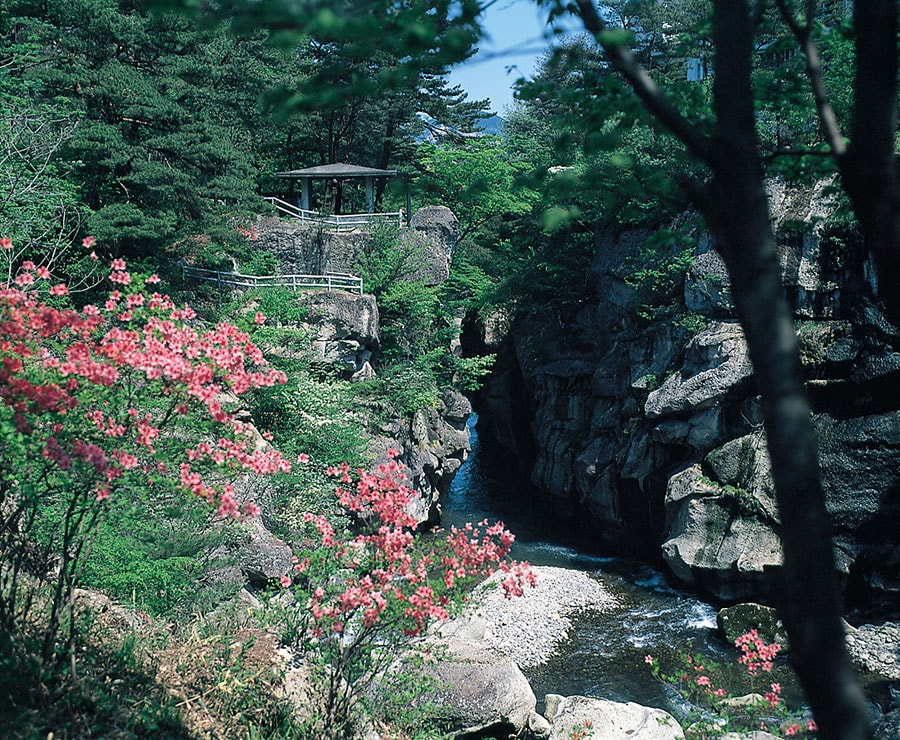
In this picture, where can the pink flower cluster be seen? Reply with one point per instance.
(74, 380)
(756, 654)
(387, 570)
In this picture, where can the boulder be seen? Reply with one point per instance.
(262, 557)
(600, 719)
(737, 620)
(344, 330)
(716, 363)
(440, 229)
(723, 542)
(743, 464)
(480, 690)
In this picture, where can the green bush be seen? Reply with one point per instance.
(155, 555)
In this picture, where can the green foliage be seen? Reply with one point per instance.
(387, 257)
(155, 555)
(159, 127)
(319, 418)
(475, 180)
(405, 387)
(114, 694)
(260, 263)
(311, 416)
(657, 272)
(410, 314)
(280, 305)
(469, 372)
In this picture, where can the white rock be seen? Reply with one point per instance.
(610, 720)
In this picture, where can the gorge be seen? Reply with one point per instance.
(646, 433)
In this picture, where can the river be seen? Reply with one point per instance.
(604, 656)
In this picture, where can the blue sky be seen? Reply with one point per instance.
(517, 37)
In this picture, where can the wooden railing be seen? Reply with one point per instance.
(237, 281)
(338, 222)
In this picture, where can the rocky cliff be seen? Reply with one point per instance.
(309, 248)
(648, 432)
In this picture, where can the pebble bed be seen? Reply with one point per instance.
(529, 628)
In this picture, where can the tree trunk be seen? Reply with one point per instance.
(738, 212)
(869, 167)
(736, 207)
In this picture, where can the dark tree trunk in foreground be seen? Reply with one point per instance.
(869, 166)
(739, 214)
(735, 204)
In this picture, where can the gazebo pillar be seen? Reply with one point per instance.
(304, 194)
(370, 203)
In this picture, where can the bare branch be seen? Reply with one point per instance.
(644, 86)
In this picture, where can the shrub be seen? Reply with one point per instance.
(359, 599)
(707, 688)
(100, 405)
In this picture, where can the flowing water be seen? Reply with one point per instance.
(604, 656)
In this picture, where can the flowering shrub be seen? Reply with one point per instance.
(109, 400)
(716, 710)
(362, 597)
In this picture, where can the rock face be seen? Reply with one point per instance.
(312, 249)
(433, 445)
(308, 249)
(439, 228)
(876, 649)
(648, 434)
(344, 331)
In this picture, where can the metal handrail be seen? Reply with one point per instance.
(336, 221)
(235, 280)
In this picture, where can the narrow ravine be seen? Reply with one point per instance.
(604, 656)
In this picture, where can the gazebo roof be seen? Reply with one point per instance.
(338, 170)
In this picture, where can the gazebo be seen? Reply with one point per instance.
(338, 172)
